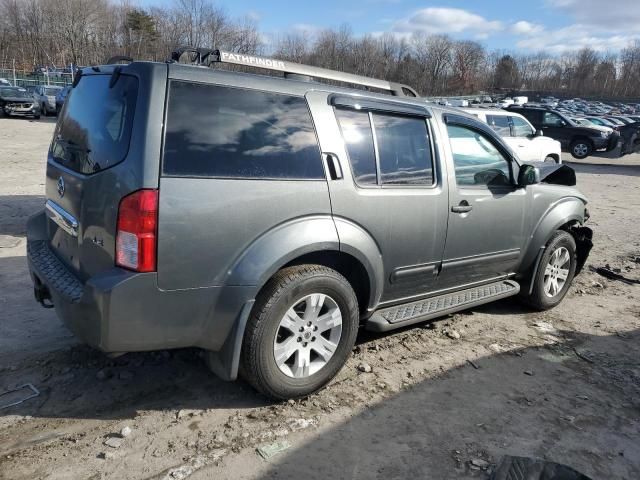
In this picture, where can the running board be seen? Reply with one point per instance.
(410, 313)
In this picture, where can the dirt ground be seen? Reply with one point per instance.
(563, 385)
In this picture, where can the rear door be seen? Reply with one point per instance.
(104, 147)
(487, 212)
(389, 184)
(91, 136)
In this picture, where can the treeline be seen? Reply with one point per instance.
(87, 32)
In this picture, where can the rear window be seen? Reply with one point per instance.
(94, 130)
(225, 132)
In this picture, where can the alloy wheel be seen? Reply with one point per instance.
(308, 335)
(556, 272)
(581, 149)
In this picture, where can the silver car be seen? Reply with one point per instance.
(265, 220)
(45, 97)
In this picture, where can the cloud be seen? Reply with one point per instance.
(445, 20)
(525, 28)
(575, 37)
(618, 15)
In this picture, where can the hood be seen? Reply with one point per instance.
(17, 99)
(588, 130)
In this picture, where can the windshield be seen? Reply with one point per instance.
(14, 93)
(94, 130)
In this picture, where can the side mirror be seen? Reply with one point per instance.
(528, 175)
(563, 123)
(539, 133)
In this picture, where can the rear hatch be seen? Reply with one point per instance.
(88, 170)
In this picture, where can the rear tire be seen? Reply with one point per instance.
(555, 272)
(581, 148)
(285, 353)
(550, 159)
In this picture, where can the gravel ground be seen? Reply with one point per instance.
(442, 400)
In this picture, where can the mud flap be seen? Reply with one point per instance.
(225, 362)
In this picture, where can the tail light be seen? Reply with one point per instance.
(137, 230)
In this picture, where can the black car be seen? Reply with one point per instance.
(578, 140)
(16, 101)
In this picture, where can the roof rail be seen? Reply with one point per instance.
(207, 57)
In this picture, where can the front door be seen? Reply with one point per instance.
(487, 211)
(554, 127)
(385, 185)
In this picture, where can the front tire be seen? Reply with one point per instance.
(581, 148)
(550, 159)
(300, 333)
(555, 272)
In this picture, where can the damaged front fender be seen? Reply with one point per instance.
(557, 174)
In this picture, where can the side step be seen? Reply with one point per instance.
(410, 313)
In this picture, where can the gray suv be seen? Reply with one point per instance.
(266, 219)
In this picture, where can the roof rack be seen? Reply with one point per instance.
(207, 57)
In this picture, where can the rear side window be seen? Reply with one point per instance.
(403, 148)
(500, 123)
(358, 138)
(215, 131)
(403, 155)
(94, 130)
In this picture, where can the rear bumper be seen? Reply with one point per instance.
(123, 311)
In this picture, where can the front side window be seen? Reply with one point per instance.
(225, 132)
(403, 149)
(550, 119)
(476, 160)
(500, 123)
(521, 128)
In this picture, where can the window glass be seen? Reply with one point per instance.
(500, 123)
(215, 131)
(356, 132)
(403, 149)
(477, 161)
(551, 119)
(521, 128)
(94, 130)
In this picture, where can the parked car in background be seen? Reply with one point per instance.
(530, 145)
(578, 140)
(16, 101)
(341, 209)
(5, 83)
(46, 97)
(585, 122)
(602, 122)
(61, 96)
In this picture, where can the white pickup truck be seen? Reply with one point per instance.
(530, 145)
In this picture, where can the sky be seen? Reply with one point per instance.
(553, 26)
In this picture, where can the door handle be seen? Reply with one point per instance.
(333, 166)
(463, 207)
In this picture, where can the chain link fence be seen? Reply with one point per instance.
(22, 77)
